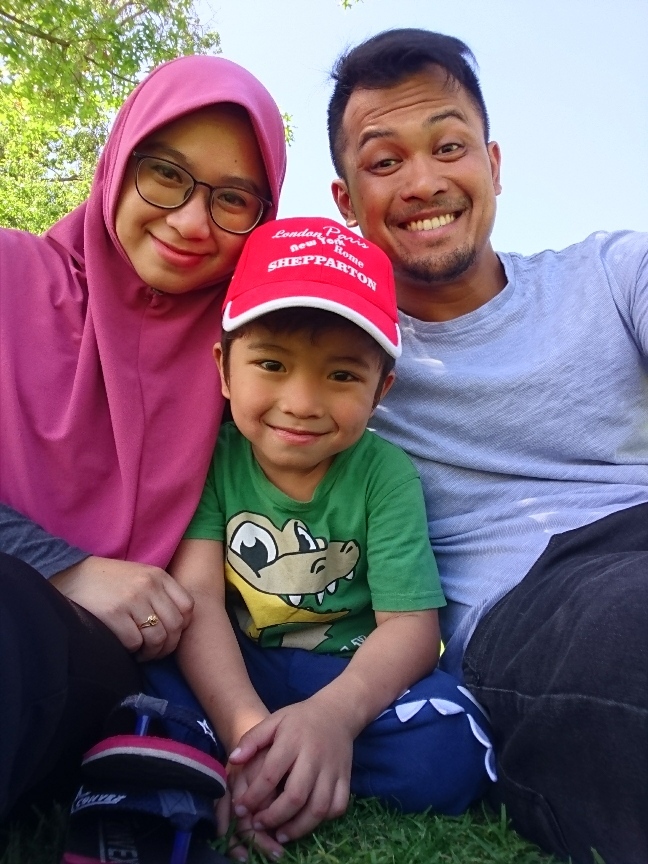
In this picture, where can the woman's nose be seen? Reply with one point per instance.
(192, 220)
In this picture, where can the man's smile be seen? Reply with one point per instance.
(430, 223)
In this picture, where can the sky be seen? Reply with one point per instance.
(565, 84)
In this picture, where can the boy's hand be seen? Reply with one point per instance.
(239, 778)
(244, 835)
(308, 748)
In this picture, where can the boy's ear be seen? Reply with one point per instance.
(386, 387)
(218, 357)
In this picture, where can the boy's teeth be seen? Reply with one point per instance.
(430, 224)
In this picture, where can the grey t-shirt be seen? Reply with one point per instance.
(526, 417)
(26, 540)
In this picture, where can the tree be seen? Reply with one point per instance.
(66, 66)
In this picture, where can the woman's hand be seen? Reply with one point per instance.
(124, 594)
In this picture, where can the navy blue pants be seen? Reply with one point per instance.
(561, 664)
(430, 748)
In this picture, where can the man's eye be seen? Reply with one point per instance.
(449, 148)
(384, 164)
(271, 365)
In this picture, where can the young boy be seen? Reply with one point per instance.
(312, 534)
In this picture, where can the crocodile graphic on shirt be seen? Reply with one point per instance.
(286, 575)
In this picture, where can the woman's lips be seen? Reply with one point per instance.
(177, 257)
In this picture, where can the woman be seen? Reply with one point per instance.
(110, 404)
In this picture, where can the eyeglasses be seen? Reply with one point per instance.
(165, 184)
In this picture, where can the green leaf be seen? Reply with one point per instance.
(65, 68)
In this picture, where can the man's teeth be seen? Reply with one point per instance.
(429, 224)
(296, 599)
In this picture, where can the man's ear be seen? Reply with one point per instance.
(218, 357)
(495, 158)
(343, 201)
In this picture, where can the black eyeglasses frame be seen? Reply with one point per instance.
(265, 204)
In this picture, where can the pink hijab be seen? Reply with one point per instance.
(110, 402)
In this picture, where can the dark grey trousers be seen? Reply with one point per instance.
(61, 671)
(561, 664)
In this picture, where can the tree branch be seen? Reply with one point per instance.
(33, 31)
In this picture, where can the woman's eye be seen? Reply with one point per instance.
(167, 173)
(233, 199)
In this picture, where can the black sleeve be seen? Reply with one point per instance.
(24, 539)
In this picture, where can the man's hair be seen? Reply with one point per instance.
(388, 59)
(313, 322)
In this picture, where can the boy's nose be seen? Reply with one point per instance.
(301, 399)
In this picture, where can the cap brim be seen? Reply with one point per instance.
(288, 295)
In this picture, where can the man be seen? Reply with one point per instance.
(522, 395)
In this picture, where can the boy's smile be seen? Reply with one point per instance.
(301, 399)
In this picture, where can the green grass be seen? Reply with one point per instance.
(371, 835)
(368, 834)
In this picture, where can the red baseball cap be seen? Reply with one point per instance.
(310, 261)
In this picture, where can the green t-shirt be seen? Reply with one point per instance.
(310, 574)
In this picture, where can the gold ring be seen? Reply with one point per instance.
(151, 621)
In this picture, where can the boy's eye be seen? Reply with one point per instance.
(341, 375)
(271, 365)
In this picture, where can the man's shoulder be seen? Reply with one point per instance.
(605, 261)
(600, 245)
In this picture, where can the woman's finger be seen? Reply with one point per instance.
(153, 636)
(181, 599)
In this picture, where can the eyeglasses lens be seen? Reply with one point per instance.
(165, 184)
